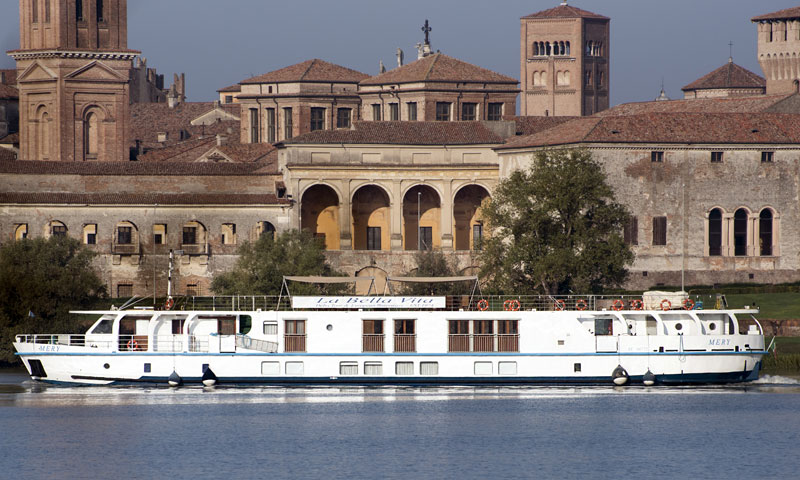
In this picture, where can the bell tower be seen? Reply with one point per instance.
(73, 69)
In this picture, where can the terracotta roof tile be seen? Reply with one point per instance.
(231, 89)
(729, 75)
(793, 12)
(136, 168)
(8, 92)
(150, 119)
(404, 133)
(7, 155)
(565, 11)
(140, 198)
(695, 128)
(531, 125)
(12, 139)
(754, 104)
(251, 152)
(186, 151)
(315, 70)
(439, 68)
(9, 76)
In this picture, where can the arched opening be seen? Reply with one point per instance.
(535, 48)
(740, 232)
(380, 280)
(566, 77)
(91, 136)
(467, 221)
(715, 232)
(194, 238)
(567, 45)
(126, 238)
(319, 214)
(422, 214)
(765, 234)
(55, 228)
(42, 135)
(371, 219)
(265, 228)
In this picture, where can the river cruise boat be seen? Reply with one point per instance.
(406, 340)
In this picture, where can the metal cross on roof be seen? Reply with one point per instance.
(427, 29)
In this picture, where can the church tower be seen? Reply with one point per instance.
(778, 50)
(564, 64)
(73, 69)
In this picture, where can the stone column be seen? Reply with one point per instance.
(396, 217)
(446, 216)
(345, 214)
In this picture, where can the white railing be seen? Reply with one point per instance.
(198, 344)
(168, 343)
(63, 339)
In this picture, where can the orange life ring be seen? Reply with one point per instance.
(581, 305)
(688, 304)
(483, 305)
(511, 305)
(637, 304)
(133, 345)
(666, 305)
(170, 303)
(560, 305)
(618, 305)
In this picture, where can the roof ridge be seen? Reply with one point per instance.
(308, 69)
(599, 120)
(430, 69)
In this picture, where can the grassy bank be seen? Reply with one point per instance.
(786, 359)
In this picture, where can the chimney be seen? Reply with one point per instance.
(221, 139)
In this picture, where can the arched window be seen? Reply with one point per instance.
(562, 49)
(740, 232)
(100, 13)
(91, 137)
(535, 48)
(566, 78)
(44, 136)
(549, 48)
(715, 233)
(765, 232)
(79, 10)
(265, 228)
(567, 45)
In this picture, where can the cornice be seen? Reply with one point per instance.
(83, 54)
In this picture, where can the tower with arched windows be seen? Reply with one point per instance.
(779, 48)
(73, 71)
(564, 62)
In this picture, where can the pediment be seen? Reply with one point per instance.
(36, 72)
(96, 71)
(213, 116)
(214, 156)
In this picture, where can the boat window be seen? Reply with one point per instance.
(483, 368)
(652, 325)
(404, 368)
(429, 368)
(270, 328)
(576, 367)
(373, 368)
(603, 326)
(271, 368)
(294, 368)
(177, 326)
(245, 324)
(103, 327)
(507, 368)
(348, 368)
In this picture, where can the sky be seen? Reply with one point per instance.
(218, 43)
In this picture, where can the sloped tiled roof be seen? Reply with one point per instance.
(403, 133)
(729, 75)
(793, 12)
(7, 155)
(231, 89)
(565, 11)
(186, 151)
(8, 92)
(534, 124)
(250, 152)
(681, 128)
(137, 168)
(149, 119)
(9, 76)
(755, 104)
(12, 139)
(64, 198)
(439, 68)
(315, 70)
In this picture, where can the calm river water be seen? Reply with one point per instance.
(744, 432)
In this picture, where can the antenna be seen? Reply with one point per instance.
(730, 46)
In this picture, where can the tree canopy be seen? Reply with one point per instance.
(555, 228)
(262, 265)
(41, 280)
(434, 263)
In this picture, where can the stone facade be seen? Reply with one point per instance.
(564, 62)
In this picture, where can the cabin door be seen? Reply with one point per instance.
(605, 340)
(226, 327)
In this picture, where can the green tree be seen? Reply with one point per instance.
(555, 228)
(434, 263)
(262, 265)
(41, 280)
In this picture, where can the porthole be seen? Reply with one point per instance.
(329, 327)
(106, 366)
(679, 326)
(712, 326)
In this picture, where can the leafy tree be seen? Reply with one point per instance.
(434, 263)
(555, 228)
(41, 280)
(262, 265)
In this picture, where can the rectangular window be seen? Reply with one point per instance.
(766, 157)
(348, 368)
(405, 335)
(442, 111)
(101, 17)
(148, 367)
(507, 368)
(228, 98)
(372, 340)
(373, 368)
(631, 232)
(270, 368)
(394, 112)
(295, 336)
(495, 113)
(229, 234)
(46, 11)
(469, 111)
(124, 290)
(193, 290)
(576, 367)
(412, 111)
(426, 238)
(90, 234)
(159, 234)
(124, 235)
(373, 238)
(483, 336)
(657, 157)
(254, 126)
(189, 236)
(429, 368)
(458, 336)
(79, 10)
(288, 126)
(59, 231)
(177, 326)
(294, 368)
(483, 368)
(270, 328)
(477, 236)
(317, 118)
(716, 157)
(35, 11)
(404, 368)
(376, 112)
(659, 230)
(508, 335)
(271, 125)
(588, 78)
(343, 117)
